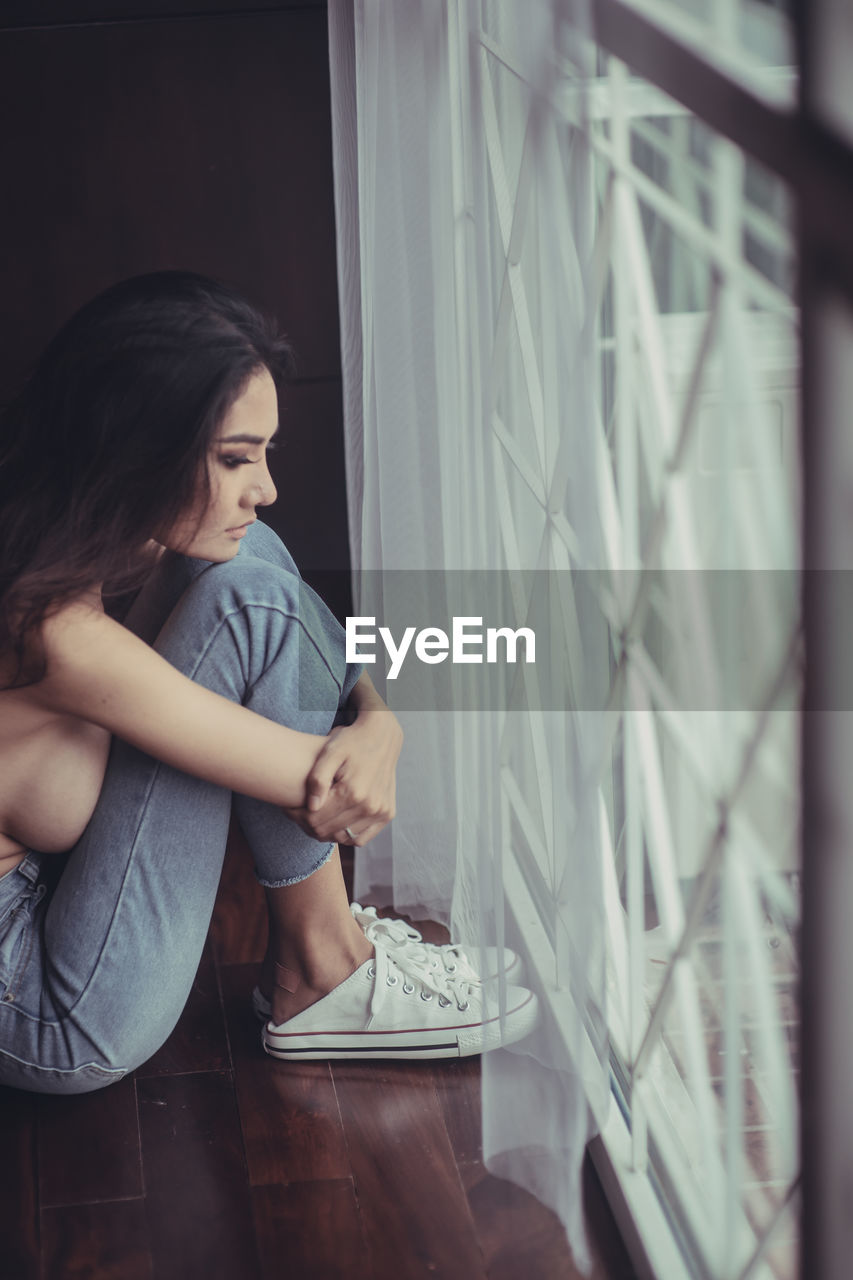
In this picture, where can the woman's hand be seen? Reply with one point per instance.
(352, 781)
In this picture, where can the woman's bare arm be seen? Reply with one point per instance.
(101, 672)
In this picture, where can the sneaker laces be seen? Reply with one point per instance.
(415, 964)
(398, 936)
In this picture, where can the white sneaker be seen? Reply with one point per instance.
(400, 1006)
(396, 935)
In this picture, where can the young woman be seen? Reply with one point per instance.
(132, 467)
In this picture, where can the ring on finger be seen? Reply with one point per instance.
(350, 833)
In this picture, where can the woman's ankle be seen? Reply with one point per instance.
(310, 971)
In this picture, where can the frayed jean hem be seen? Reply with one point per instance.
(282, 884)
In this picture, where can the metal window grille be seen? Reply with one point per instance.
(718, 207)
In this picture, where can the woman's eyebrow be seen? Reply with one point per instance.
(242, 438)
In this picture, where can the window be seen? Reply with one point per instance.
(643, 271)
(604, 252)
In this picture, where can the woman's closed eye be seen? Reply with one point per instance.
(232, 460)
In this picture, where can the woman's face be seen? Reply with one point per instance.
(239, 477)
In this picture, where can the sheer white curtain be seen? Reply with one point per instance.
(444, 170)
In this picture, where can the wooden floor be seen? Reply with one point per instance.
(212, 1161)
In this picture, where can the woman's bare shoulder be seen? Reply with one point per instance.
(59, 631)
(68, 631)
(84, 649)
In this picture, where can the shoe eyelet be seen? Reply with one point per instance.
(463, 1008)
(408, 988)
(444, 1003)
(391, 980)
(426, 995)
(451, 968)
(371, 972)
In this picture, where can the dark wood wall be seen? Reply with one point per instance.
(150, 135)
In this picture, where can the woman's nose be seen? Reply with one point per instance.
(263, 492)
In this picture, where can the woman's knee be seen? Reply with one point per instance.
(273, 618)
(263, 543)
(249, 578)
(256, 633)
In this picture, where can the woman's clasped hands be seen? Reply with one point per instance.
(350, 791)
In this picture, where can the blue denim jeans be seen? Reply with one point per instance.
(99, 946)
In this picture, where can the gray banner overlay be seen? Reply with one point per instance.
(588, 640)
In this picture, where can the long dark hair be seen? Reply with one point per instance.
(108, 441)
